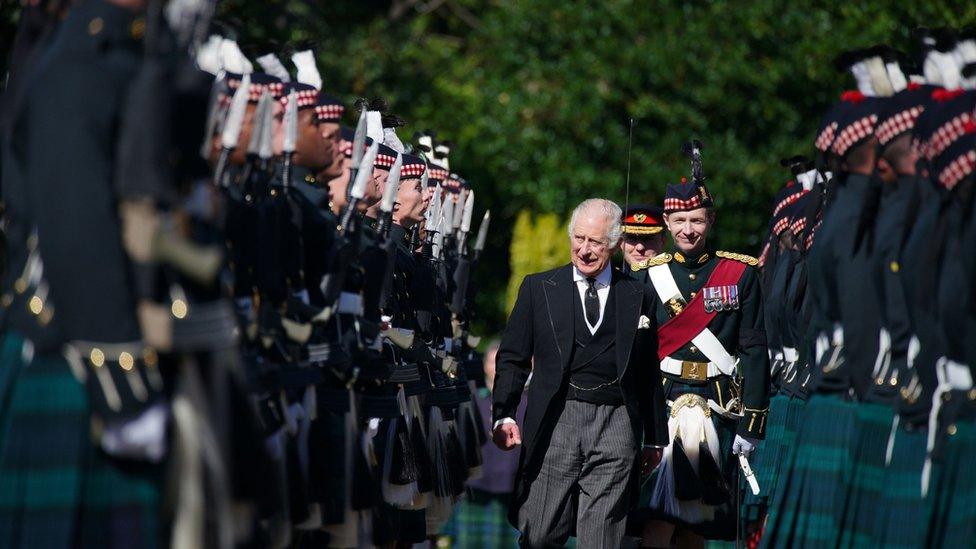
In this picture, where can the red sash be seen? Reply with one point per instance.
(679, 330)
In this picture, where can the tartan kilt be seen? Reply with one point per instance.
(767, 456)
(480, 520)
(56, 488)
(874, 426)
(954, 491)
(902, 522)
(809, 508)
(723, 526)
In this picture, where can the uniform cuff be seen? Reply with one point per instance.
(753, 422)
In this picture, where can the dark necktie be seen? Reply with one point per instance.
(591, 302)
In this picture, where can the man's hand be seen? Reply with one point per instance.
(650, 458)
(507, 436)
(744, 445)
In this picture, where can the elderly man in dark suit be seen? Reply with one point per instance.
(588, 334)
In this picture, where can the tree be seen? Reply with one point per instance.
(537, 96)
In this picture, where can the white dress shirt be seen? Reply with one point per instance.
(602, 285)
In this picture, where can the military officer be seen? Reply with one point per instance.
(643, 236)
(715, 367)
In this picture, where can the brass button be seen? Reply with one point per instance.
(126, 361)
(138, 28)
(179, 308)
(693, 349)
(693, 294)
(894, 266)
(36, 305)
(692, 276)
(95, 26)
(952, 429)
(97, 357)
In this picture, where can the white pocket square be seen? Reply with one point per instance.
(643, 323)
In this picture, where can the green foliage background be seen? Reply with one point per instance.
(537, 94)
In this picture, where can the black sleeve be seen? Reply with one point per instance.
(753, 359)
(650, 390)
(513, 363)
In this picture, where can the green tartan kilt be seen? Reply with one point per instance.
(479, 520)
(766, 459)
(56, 488)
(954, 491)
(808, 511)
(874, 423)
(902, 521)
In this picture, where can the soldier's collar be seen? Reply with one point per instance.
(698, 259)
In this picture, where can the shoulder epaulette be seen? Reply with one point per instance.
(747, 259)
(659, 259)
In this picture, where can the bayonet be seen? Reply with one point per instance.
(290, 137)
(257, 131)
(213, 110)
(389, 197)
(479, 243)
(364, 171)
(358, 148)
(254, 145)
(266, 147)
(466, 213)
(232, 126)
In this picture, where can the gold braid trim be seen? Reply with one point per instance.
(659, 259)
(747, 259)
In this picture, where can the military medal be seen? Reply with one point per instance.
(721, 298)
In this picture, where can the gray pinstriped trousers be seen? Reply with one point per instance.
(583, 480)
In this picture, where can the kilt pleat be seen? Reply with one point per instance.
(808, 511)
(767, 457)
(56, 488)
(902, 522)
(874, 422)
(954, 512)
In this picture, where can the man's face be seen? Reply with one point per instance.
(337, 191)
(376, 186)
(330, 134)
(641, 247)
(689, 229)
(410, 203)
(590, 244)
(312, 150)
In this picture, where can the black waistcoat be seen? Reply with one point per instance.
(594, 357)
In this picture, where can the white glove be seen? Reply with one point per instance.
(744, 445)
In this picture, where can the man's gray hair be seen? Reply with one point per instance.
(600, 207)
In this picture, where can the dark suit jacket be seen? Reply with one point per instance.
(539, 339)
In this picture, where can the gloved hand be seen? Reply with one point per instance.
(744, 445)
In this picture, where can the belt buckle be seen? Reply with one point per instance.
(697, 371)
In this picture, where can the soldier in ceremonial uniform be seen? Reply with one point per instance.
(643, 236)
(73, 342)
(716, 375)
(845, 327)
